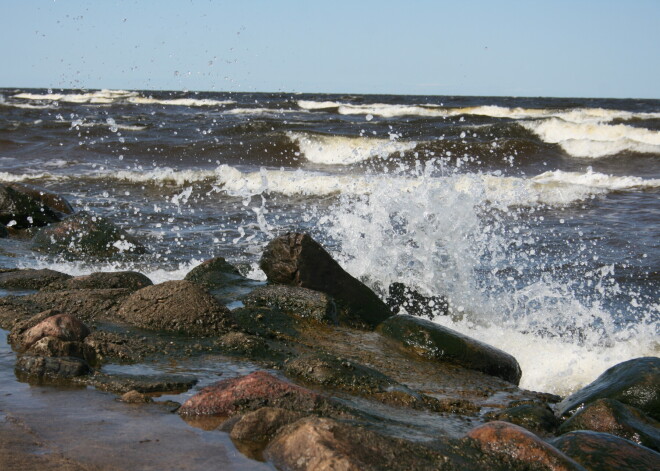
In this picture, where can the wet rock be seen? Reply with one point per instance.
(129, 280)
(315, 443)
(135, 397)
(604, 452)
(401, 296)
(260, 425)
(214, 273)
(296, 259)
(30, 279)
(295, 301)
(534, 417)
(610, 416)
(250, 346)
(519, 448)
(176, 306)
(47, 198)
(123, 383)
(266, 322)
(54, 347)
(87, 305)
(634, 382)
(61, 326)
(84, 234)
(20, 210)
(52, 367)
(328, 370)
(4, 233)
(253, 391)
(436, 342)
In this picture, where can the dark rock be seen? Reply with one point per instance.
(20, 210)
(436, 342)
(610, 416)
(266, 322)
(416, 304)
(135, 397)
(61, 326)
(214, 273)
(295, 301)
(534, 417)
(54, 347)
(251, 392)
(246, 345)
(88, 235)
(634, 382)
(296, 259)
(53, 367)
(604, 452)
(260, 425)
(519, 448)
(4, 233)
(315, 443)
(87, 305)
(335, 372)
(45, 197)
(29, 279)
(123, 383)
(176, 306)
(128, 280)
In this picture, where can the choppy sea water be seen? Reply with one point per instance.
(539, 219)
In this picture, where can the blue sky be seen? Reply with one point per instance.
(480, 47)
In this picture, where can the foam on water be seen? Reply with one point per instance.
(259, 111)
(435, 240)
(139, 100)
(595, 140)
(98, 97)
(342, 150)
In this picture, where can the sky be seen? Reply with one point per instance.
(577, 48)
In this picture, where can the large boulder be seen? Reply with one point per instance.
(61, 326)
(436, 342)
(86, 234)
(295, 301)
(20, 210)
(316, 443)
(298, 260)
(634, 382)
(45, 197)
(176, 306)
(616, 418)
(30, 279)
(604, 452)
(129, 280)
(520, 448)
(259, 389)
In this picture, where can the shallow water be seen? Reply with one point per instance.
(537, 218)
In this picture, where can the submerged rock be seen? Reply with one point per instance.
(298, 260)
(316, 443)
(634, 382)
(604, 452)
(176, 306)
(88, 235)
(519, 448)
(51, 367)
(129, 280)
(30, 279)
(436, 342)
(135, 397)
(295, 301)
(610, 416)
(260, 425)
(251, 392)
(20, 210)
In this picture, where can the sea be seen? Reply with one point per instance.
(537, 218)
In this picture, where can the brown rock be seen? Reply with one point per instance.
(51, 367)
(513, 444)
(29, 279)
(262, 424)
(295, 301)
(296, 259)
(135, 397)
(87, 305)
(128, 280)
(54, 347)
(616, 418)
(256, 390)
(61, 326)
(319, 444)
(176, 306)
(47, 198)
(20, 210)
(537, 418)
(604, 452)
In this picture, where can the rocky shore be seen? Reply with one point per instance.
(340, 380)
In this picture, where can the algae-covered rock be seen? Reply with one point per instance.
(30, 279)
(298, 260)
(295, 301)
(436, 342)
(634, 382)
(86, 234)
(128, 280)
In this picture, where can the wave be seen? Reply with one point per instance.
(138, 100)
(594, 140)
(106, 97)
(265, 111)
(110, 122)
(596, 180)
(576, 115)
(342, 150)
